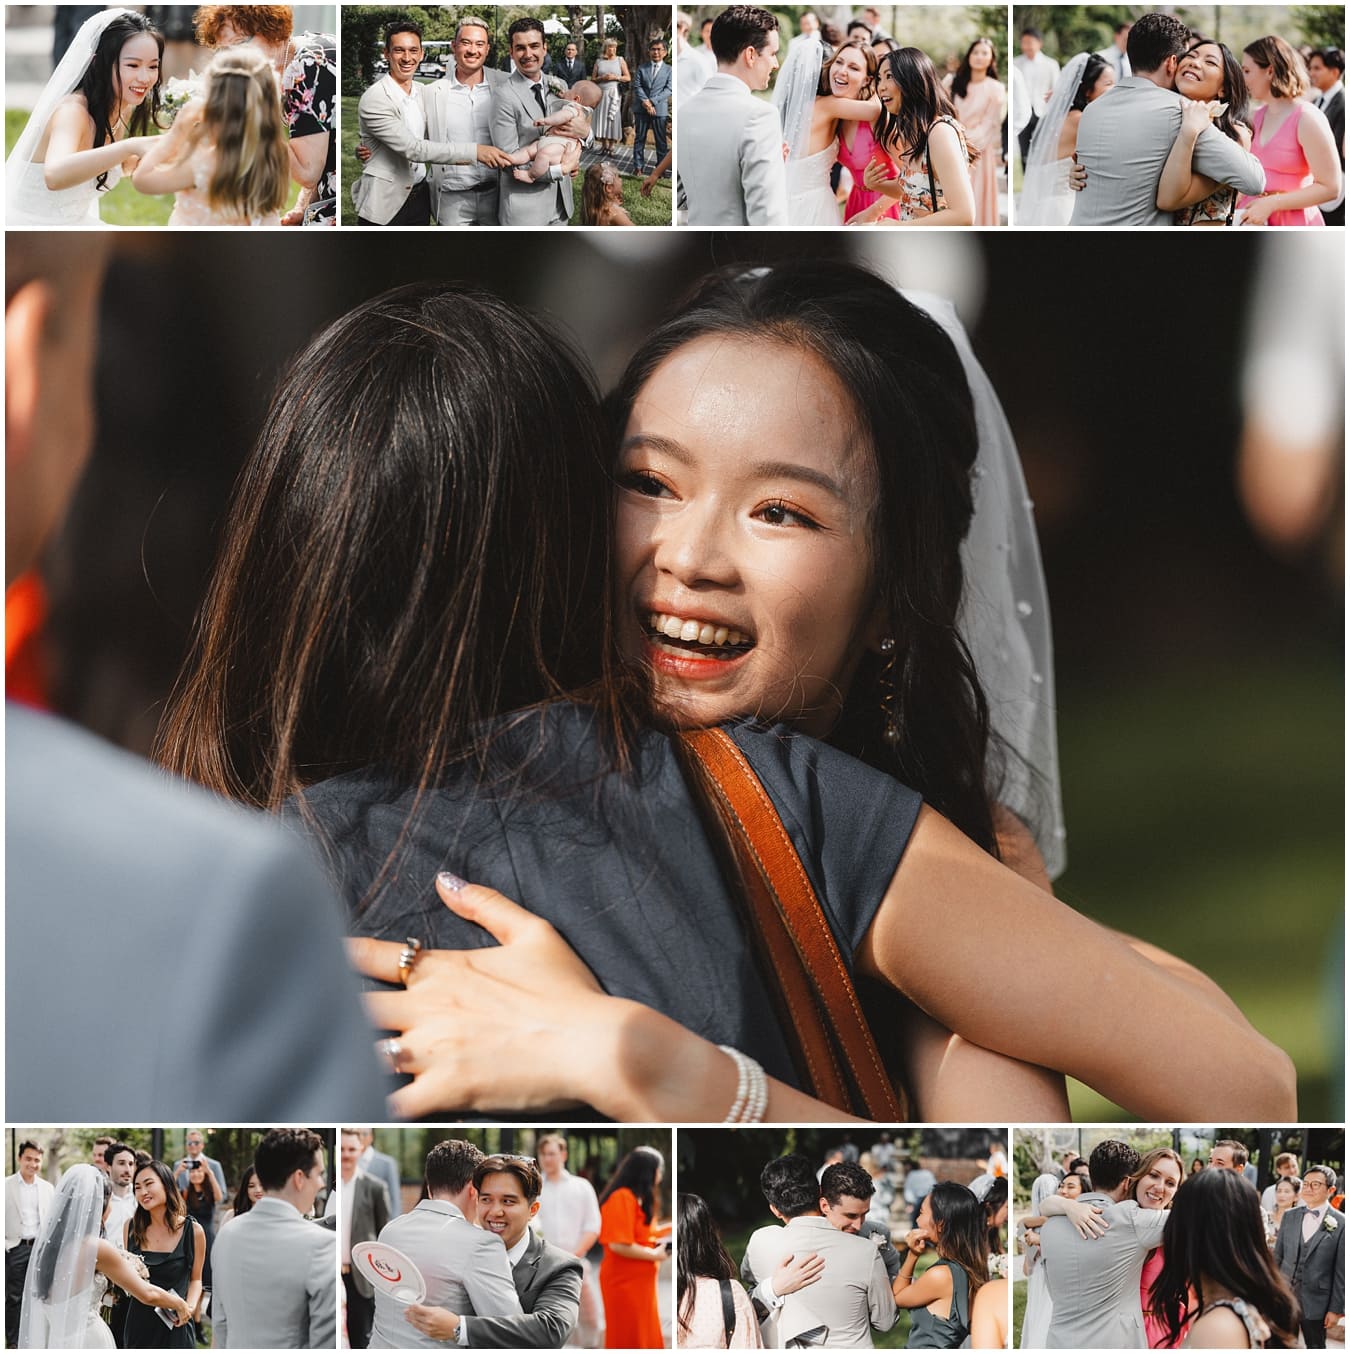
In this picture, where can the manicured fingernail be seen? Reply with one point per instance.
(450, 881)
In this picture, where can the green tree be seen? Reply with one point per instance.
(1320, 25)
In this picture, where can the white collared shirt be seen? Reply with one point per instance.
(120, 1211)
(1039, 74)
(468, 118)
(1326, 96)
(409, 107)
(514, 1256)
(1313, 1221)
(568, 1211)
(345, 1217)
(30, 1220)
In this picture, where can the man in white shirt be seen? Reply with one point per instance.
(1038, 73)
(569, 1218)
(695, 66)
(27, 1199)
(1116, 56)
(464, 191)
(121, 1161)
(807, 26)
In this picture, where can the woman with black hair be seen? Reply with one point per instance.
(93, 121)
(952, 1222)
(712, 1309)
(72, 1265)
(1218, 1271)
(628, 1214)
(446, 575)
(1046, 198)
(249, 1192)
(922, 170)
(1209, 79)
(981, 102)
(172, 1246)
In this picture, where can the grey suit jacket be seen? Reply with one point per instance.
(465, 1268)
(13, 1218)
(731, 157)
(548, 1281)
(1315, 1268)
(259, 1036)
(272, 1275)
(368, 1199)
(1094, 1285)
(525, 204)
(653, 84)
(1123, 142)
(381, 1166)
(838, 1311)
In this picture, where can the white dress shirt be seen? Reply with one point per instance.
(30, 1220)
(467, 117)
(1039, 74)
(120, 1211)
(1312, 1220)
(568, 1211)
(409, 106)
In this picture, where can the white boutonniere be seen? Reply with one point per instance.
(1329, 1224)
(879, 1239)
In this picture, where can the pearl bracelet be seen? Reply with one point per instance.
(752, 1089)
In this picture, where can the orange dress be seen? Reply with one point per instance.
(628, 1287)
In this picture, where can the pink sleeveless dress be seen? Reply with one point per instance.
(1286, 167)
(855, 161)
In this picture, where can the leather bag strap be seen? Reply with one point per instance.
(836, 1055)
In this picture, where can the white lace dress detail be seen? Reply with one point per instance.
(191, 209)
(33, 205)
(811, 204)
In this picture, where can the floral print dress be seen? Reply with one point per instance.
(309, 93)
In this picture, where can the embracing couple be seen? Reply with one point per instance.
(1127, 133)
(478, 147)
(485, 663)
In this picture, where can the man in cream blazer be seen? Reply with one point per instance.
(28, 1197)
(731, 143)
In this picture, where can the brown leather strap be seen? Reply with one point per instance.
(823, 1010)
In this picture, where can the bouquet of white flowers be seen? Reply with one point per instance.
(177, 93)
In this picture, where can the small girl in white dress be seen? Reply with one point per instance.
(226, 158)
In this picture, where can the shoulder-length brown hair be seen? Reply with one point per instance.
(1151, 1159)
(1288, 74)
(175, 1209)
(869, 87)
(409, 553)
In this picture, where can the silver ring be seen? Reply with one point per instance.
(391, 1050)
(407, 957)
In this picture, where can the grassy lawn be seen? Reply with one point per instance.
(122, 205)
(1019, 1312)
(652, 211)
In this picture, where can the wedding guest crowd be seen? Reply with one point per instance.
(1148, 1256)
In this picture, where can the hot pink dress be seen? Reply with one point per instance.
(855, 161)
(1286, 166)
(1154, 1329)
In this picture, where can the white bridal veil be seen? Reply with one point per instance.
(58, 1292)
(1047, 199)
(794, 92)
(65, 80)
(1005, 615)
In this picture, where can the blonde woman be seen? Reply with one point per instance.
(610, 71)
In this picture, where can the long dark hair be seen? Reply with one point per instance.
(407, 555)
(922, 102)
(961, 80)
(1233, 91)
(702, 1254)
(175, 1210)
(242, 1201)
(637, 1174)
(1214, 1234)
(912, 404)
(100, 83)
(1092, 72)
(962, 1228)
(994, 1199)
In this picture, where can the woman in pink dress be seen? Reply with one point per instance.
(1292, 139)
(981, 102)
(857, 65)
(1152, 1186)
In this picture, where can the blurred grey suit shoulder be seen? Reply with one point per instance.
(850, 1299)
(1124, 139)
(111, 863)
(1094, 1285)
(730, 148)
(274, 1281)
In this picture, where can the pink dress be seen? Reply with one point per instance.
(981, 114)
(1286, 166)
(1154, 1329)
(855, 161)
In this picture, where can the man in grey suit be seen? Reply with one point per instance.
(731, 143)
(837, 1301)
(465, 1268)
(272, 1268)
(103, 848)
(382, 1167)
(547, 1278)
(365, 1211)
(1093, 1276)
(1310, 1253)
(1124, 137)
(515, 106)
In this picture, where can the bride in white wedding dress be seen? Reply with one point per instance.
(813, 96)
(89, 125)
(71, 1267)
